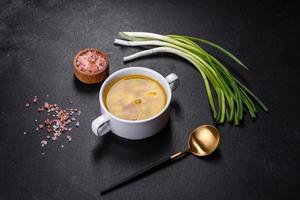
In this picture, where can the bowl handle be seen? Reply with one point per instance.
(101, 126)
(173, 81)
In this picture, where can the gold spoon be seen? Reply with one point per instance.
(202, 141)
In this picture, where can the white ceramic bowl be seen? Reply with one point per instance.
(138, 129)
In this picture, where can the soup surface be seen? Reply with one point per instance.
(134, 97)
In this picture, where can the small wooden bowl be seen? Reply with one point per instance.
(91, 78)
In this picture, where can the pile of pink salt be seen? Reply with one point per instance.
(91, 62)
(57, 121)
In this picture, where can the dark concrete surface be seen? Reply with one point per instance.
(258, 160)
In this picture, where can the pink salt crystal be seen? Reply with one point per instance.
(40, 109)
(47, 121)
(37, 129)
(48, 106)
(43, 142)
(69, 138)
(54, 138)
(90, 61)
(41, 126)
(34, 99)
(77, 124)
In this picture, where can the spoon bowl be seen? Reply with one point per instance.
(203, 140)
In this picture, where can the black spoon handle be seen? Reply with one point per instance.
(142, 172)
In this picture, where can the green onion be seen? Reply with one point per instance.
(228, 98)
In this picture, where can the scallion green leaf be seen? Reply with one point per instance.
(231, 94)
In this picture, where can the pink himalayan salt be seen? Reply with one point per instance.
(90, 61)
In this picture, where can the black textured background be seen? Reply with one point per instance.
(258, 160)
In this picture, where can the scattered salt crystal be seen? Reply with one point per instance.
(24, 133)
(47, 121)
(43, 153)
(34, 99)
(43, 143)
(69, 138)
(40, 109)
(48, 106)
(58, 121)
(54, 138)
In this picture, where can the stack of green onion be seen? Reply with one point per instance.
(232, 96)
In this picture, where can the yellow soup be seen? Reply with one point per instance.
(134, 97)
